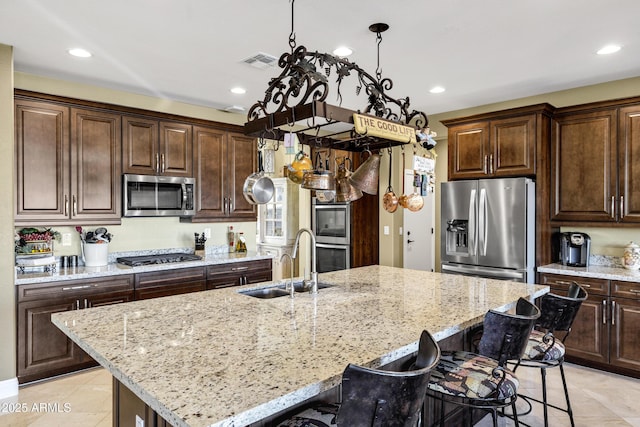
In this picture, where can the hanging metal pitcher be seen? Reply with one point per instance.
(365, 178)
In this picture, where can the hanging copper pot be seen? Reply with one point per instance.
(365, 178)
(319, 179)
(415, 202)
(390, 200)
(345, 192)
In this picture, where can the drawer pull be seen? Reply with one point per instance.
(73, 288)
(239, 268)
(635, 291)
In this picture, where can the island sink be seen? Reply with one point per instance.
(280, 290)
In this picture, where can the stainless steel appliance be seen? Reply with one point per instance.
(331, 224)
(488, 228)
(136, 261)
(575, 249)
(151, 195)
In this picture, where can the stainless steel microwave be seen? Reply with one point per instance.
(150, 195)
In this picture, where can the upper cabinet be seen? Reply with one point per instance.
(154, 147)
(594, 149)
(499, 144)
(223, 160)
(68, 164)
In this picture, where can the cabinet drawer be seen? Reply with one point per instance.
(169, 277)
(74, 288)
(561, 281)
(238, 268)
(625, 289)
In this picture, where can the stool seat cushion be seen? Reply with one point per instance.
(470, 375)
(317, 416)
(538, 350)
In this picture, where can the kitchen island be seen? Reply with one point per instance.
(220, 358)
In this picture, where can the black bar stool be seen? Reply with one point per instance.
(546, 343)
(481, 380)
(374, 397)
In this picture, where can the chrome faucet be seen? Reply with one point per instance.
(289, 285)
(314, 270)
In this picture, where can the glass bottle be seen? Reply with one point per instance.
(231, 239)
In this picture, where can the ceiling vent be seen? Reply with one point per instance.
(261, 60)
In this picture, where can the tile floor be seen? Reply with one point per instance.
(84, 399)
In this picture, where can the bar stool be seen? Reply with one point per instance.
(374, 397)
(481, 380)
(546, 343)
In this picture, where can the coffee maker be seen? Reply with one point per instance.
(575, 248)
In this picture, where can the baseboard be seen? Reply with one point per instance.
(8, 388)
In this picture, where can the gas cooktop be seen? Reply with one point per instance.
(137, 261)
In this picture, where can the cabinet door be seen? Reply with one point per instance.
(589, 337)
(242, 154)
(625, 333)
(95, 165)
(209, 152)
(513, 146)
(583, 167)
(175, 149)
(629, 159)
(42, 162)
(43, 349)
(140, 146)
(468, 150)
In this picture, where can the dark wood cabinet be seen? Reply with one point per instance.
(594, 148)
(156, 147)
(169, 282)
(44, 350)
(67, 164)
(500, 144)
(223, 161)
(606, 331)
(237, 274)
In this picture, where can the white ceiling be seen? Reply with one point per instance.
(191, 50)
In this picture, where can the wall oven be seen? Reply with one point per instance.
(331, 222)
(332, 257)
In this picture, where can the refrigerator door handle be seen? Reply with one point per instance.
(479, 272)
(482, 222)
(473, 235)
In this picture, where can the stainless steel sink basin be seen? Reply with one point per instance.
(299, 286)
(265, 293)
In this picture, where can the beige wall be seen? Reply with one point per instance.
(7, 288)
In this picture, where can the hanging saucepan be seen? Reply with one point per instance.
(345, 192)
(258, 188)
(297, 168)
(415, 202)
(319, 179)
(390, 200)
(402, 200)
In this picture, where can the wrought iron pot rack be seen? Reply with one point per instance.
(295, 102)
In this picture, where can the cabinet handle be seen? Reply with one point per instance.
(239, 268)
(604, 311)
(621, 207)
(230, 205)
(66, 205)
(157, 163)
(75, 206)
(484, 165)
(73, 288)
(77, 304)
(85, 303)
(613, 207)
(613, 313)
(491, 163)
(162, 157)
(635, 291)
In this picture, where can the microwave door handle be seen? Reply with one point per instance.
(473, 242)
(184, 196)
(482, 222)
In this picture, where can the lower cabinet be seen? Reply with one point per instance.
(606, 332)
(169, 282)
(44, 350)
(237, 274)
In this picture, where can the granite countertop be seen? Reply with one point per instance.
(113, 269)
(219, 358)
(594, 271)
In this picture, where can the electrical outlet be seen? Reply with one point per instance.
(139, 421)
(400, 231)
(207, 233)
(66, 239)
(385, 230)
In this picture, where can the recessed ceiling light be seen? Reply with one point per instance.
(611, 48)
(437, 89)
(343, 51)
(79, 53)
(238, 90)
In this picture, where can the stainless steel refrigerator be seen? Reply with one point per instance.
(488, 228)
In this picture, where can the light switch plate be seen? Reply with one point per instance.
(385, 230)
(207, 233)
(66, 239)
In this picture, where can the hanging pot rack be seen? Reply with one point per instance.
(296, 99)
